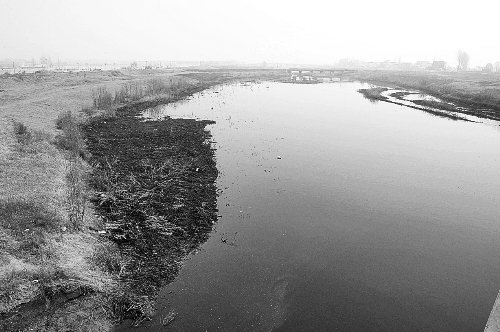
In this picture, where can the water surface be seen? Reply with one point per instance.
(340, 214)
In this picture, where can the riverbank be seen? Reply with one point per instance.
(49, 240)
(398, 97)
(155, 189)
(64, 265)
(470, 93)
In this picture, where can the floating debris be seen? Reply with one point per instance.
(169, 318)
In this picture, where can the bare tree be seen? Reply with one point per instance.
(463, 60)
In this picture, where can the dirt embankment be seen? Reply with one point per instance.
(472, 93)
(50, 249)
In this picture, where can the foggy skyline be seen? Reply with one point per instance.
(316, 32)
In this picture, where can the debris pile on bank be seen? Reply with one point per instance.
(154, 185)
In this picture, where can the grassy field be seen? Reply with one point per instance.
(477, 91)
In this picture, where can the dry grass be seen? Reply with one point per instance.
(45, 240)
(18, 281)
(31, 190)
(135, 91)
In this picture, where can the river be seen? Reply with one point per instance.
(337, 213)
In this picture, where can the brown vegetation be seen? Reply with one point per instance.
(45, 247)
(135, 91)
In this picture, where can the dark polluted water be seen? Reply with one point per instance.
(340, 214)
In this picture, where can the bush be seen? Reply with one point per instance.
(71, 138)
(64, 120)
(26, 137)
(129, 92)
(156, 86)
(22, 133)
(20, 129)
(102, 99)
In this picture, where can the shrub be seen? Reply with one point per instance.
(129, 92)
(26, 137)
(22, 133)
(64, 120)
(102, 99)
(71, 138)
(156, 86)
(20, 129)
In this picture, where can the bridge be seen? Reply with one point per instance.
(312, 74)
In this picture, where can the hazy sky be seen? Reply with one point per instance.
(308, 31)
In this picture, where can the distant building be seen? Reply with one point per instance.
(497, 67)
(438, 65)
